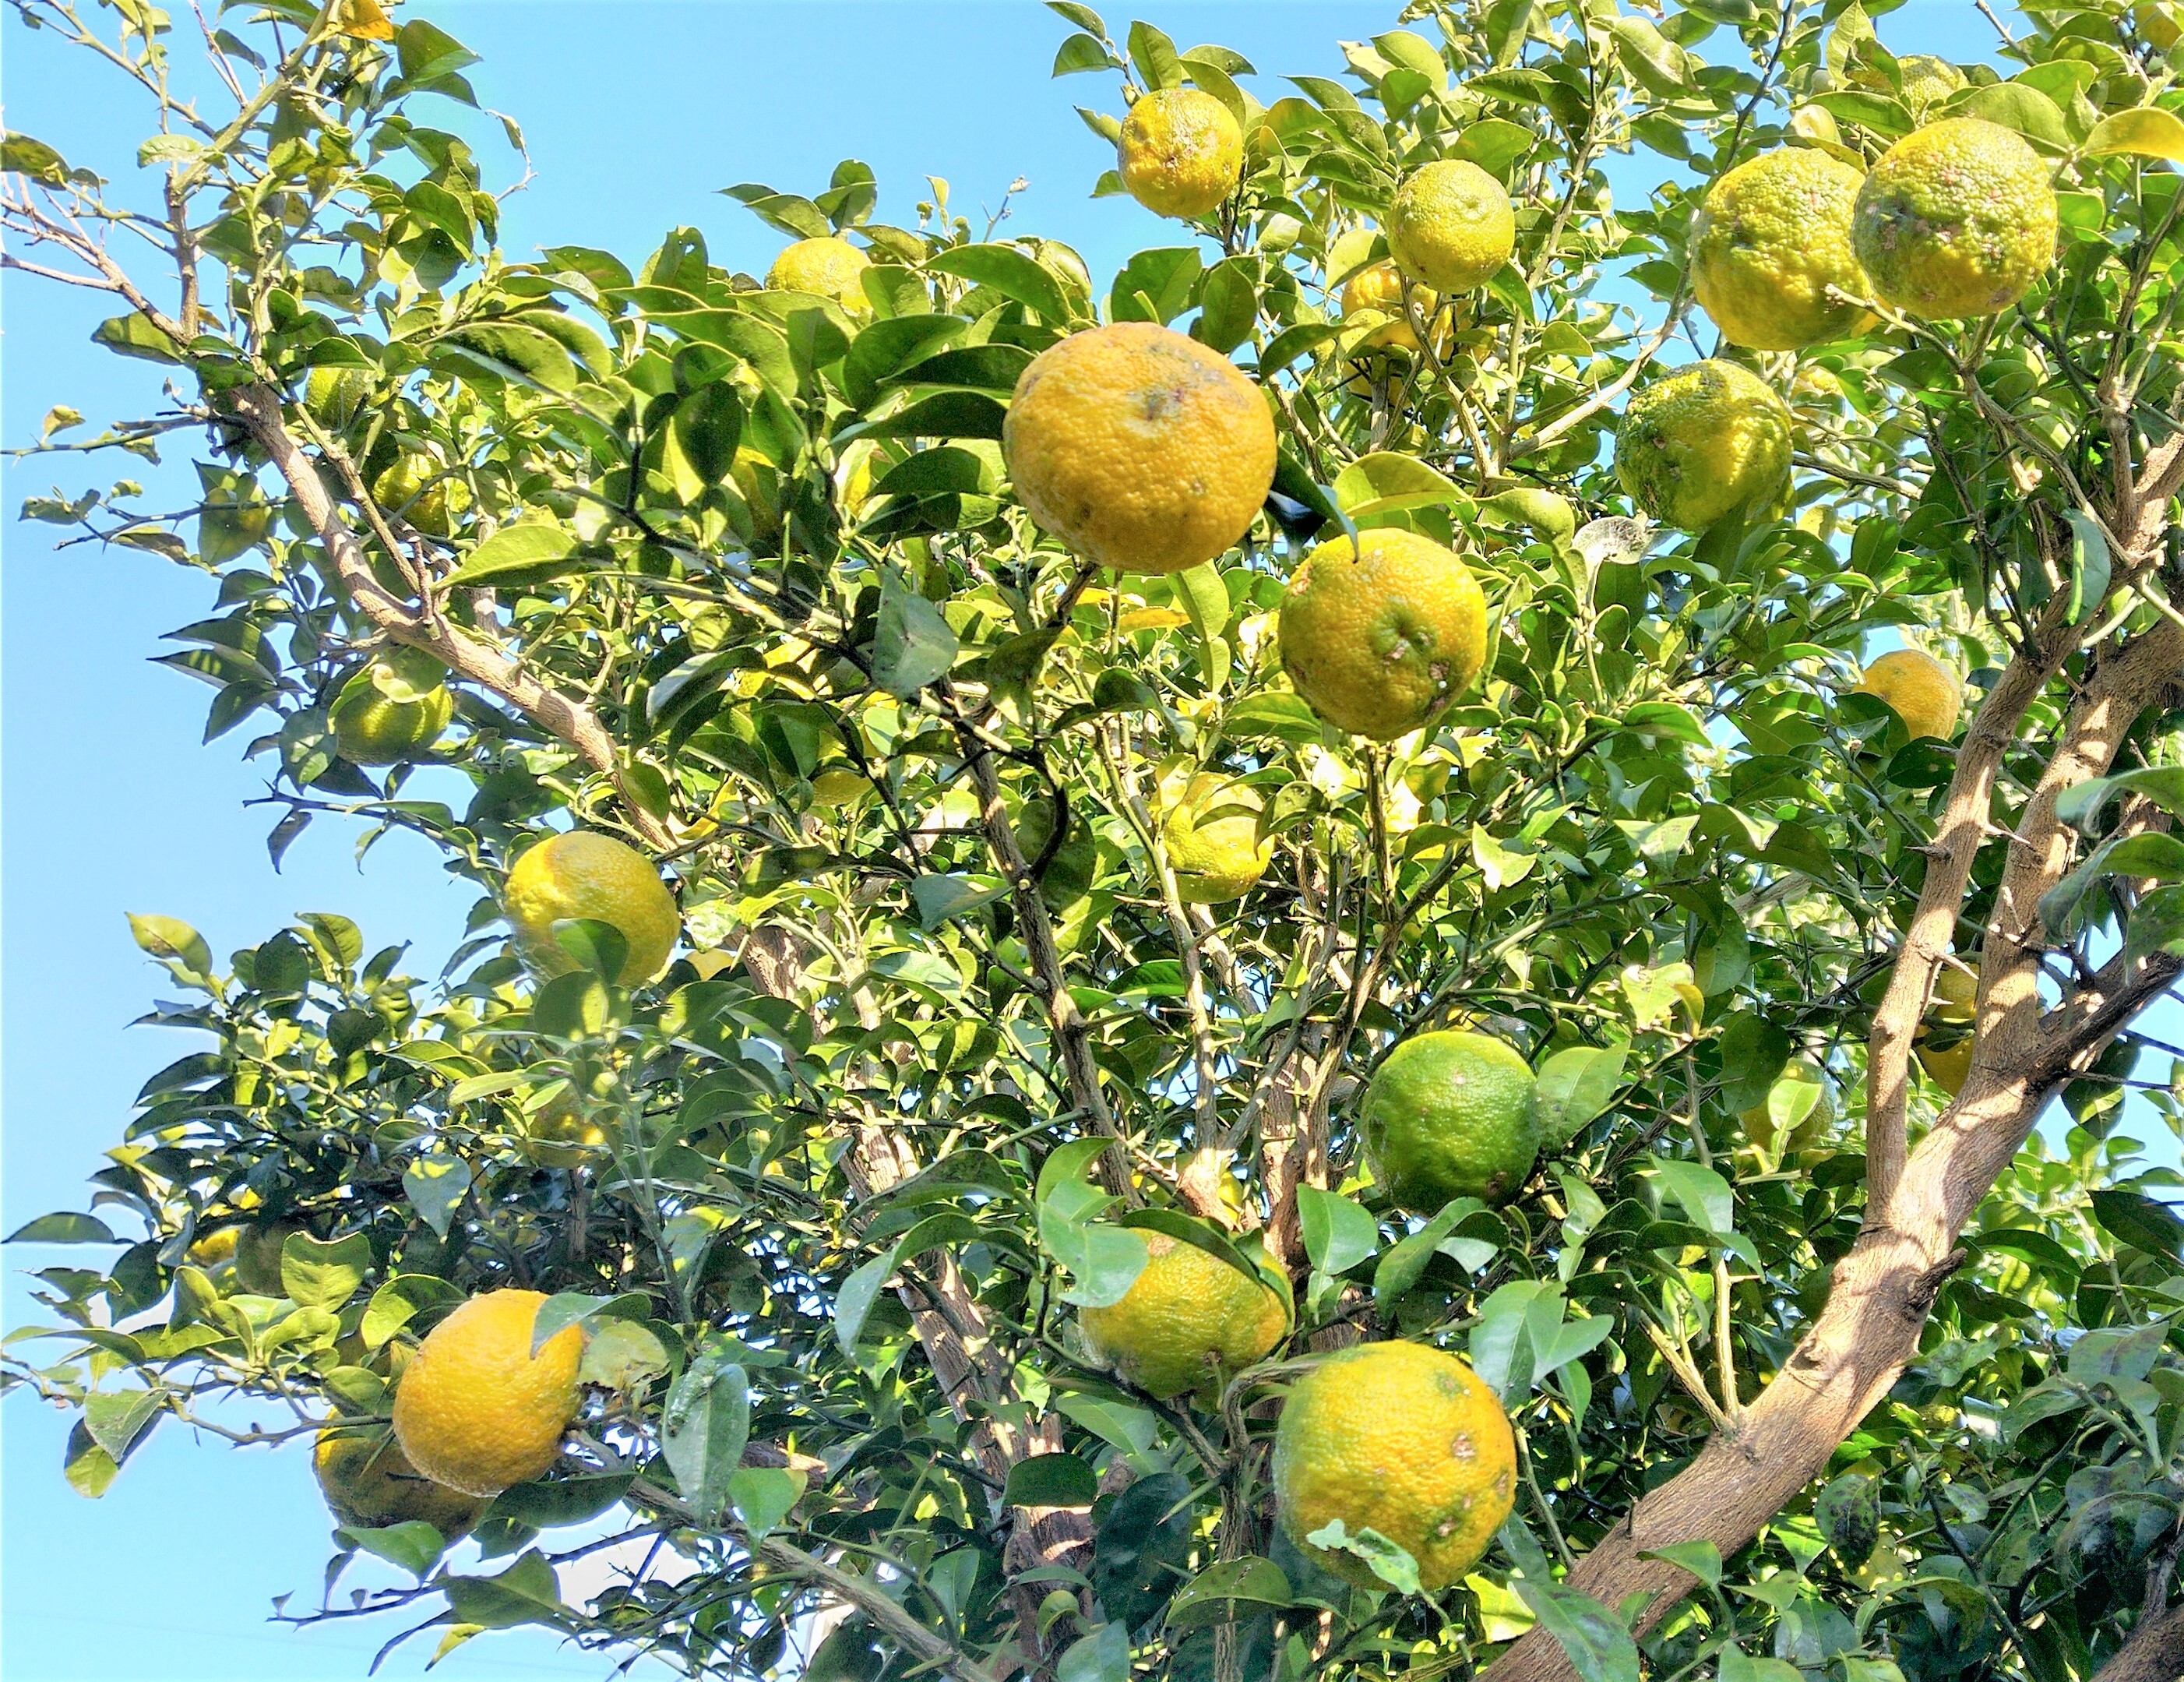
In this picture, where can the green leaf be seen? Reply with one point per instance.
(395, 1303)
(1339, 1233)
(704, 1428)
(1228, 304)
(89, 1469)
(516, 557)
(943, 898)
(2146, 132)
(2082, 805)
(762, 1496)
(1705, 1195)
(1736, 1667)
(526, 1593)
(1155, 56)
(912, 644)
(1081, 52)
(1599, 1648)
(557, 1502)
(63, 1229)
(1012, 273)
(134, 335)
(1156, 285)
(564, 1309)
(513, 351)
(1219, 1593)
(2156, 925)
(315, 1273)
(2089, 559)
(854, 1301)
(1405, 1264)
(2015, 105)
(945, 414)
(116, 1418)
(1388, 1561)
(707, 425)
(414, 1546)
(434, 1184)
(169, 937)
(1655, 63)
(21, 155)
(1702, 1559)
(1051, 1480)
(2138, 1221)
(1753, 1053)
(1575, 1086)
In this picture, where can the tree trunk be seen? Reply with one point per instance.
(2154, 1652)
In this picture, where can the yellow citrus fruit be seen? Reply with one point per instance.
(1180, 152)
(214, 1249)
(1927, 81)
(1947, 1066)
(1450, 1114)
(419, 491)
(1957, 219)
(1814, 384)
(334, 396)
(839, 785)
(1190, 1323)
(1701, 441)
(1399, 1439)
(1211, 830)
(1771, 258)
(258, 1258)
(1380, 639)
(369, 1483)
(1798, 1109)
(584, 875)
(758, 482)
(828, 267)
(1956, 995)
(1382, 288)
(476, 1410)
(1140, 448)
(561, 1136)
(1450, 226)
(372, 728)
(1947, 1055)
(1919, 688)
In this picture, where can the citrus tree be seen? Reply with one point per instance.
(1337, 959)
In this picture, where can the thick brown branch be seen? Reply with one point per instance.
(2154, 1652)
(1881, 1292)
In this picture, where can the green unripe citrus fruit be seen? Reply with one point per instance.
(826, 267)
(371, 727)
(1449, 1114)
(419, 491)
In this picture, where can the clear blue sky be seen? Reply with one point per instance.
(636, 114)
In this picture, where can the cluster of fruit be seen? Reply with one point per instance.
(1148, 452)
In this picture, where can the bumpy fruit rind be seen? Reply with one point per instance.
(1449, 1114)
(1701, 441)
(1957, 219)
(1450, 226)
(1180, 152)
(1770, 251)
(1379, 639)
(1401, 1439)
(1189, 1323)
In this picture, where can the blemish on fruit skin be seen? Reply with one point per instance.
(1462, 1447)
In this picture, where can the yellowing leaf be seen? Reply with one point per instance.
(1151, 619)
(363, 19)
(2145, 133)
